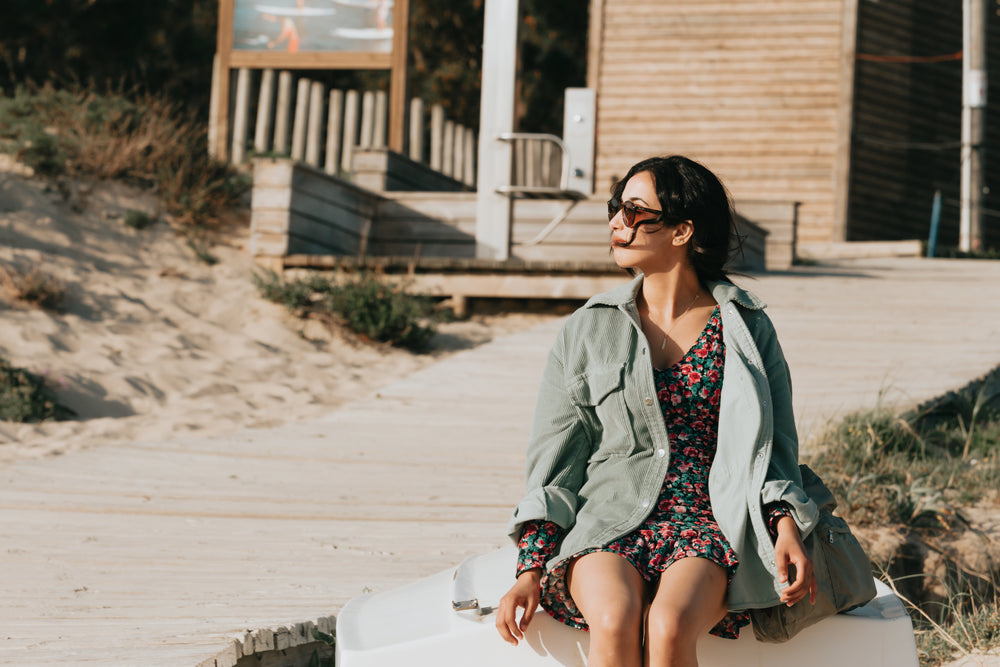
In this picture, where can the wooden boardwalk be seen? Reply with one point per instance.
(161, 553)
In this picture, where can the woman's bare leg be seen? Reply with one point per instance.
(609, 593)
(690, 599)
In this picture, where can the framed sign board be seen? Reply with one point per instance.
(313, 34)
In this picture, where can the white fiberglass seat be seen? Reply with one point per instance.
(448, 619)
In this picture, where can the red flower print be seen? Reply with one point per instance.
(694, 377)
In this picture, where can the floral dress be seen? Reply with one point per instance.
(681, 524)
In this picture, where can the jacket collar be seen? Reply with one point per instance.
(723, 292)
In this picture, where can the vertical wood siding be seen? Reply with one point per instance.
(749, 87)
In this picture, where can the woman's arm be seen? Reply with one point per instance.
(558, 450)
(783, 483)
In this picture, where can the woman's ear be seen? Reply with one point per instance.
(683, 232)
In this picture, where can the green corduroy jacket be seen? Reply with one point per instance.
(599, 449)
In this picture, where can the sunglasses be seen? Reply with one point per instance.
(629, 209)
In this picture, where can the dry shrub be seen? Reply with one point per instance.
(146, 140)
(33, 286)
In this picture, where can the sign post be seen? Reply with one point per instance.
(297, 35)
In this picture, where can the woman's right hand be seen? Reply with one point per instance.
(525, 593)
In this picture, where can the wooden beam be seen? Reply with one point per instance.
(397, 80)
(845, 122)
(595, 35)
(310, 60)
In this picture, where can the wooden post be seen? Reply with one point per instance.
(301, 118)
(213, 110)
(265, 108)
(973, 119)
(367, 119)
(397, 80)
(350, 130)
(333, 131)
(378, 127)
(845, 120)
(417, 129)
(458, 166)
(240, 116)
(282, 112)
(315, 127)
(470, 157)
(448, 149)
(437, 136)
(224, 44)
(496, 116)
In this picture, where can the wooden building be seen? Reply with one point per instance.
(850, 107)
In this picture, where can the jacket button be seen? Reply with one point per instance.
(649, 401)
(645, 503)
(661, 453)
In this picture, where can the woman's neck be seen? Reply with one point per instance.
(670, 292)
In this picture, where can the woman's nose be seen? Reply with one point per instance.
(615, 222)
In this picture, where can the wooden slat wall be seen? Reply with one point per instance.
(749, 87)
(898, 106)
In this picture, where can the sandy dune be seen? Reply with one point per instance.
(152, 342)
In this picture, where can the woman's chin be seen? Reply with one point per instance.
(624, 256)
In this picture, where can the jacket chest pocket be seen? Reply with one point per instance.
(600, 395)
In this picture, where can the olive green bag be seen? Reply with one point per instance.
(843, 572)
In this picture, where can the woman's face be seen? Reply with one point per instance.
(655, 246)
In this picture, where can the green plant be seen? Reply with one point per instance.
(383, 312)
(330, 643)
(24, 397)
(376, 310)
(138, 219)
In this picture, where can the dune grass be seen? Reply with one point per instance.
(374, 309)
(916, 470)
(144, 140)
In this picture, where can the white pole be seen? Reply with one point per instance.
(973, 108)
(496, 116)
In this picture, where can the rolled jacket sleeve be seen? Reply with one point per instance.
(783, 483)
(558, 450)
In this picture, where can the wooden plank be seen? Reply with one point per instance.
(314, 125)
(350, 130)
(379, 120)
(301, 119)
(437, 136)
(265, 112)
(240, 116)
(416, 145)
(367, 119)
(334, 131)
(283, 113)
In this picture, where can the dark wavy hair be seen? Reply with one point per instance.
(687, 190)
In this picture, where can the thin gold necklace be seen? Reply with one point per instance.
(677, 319)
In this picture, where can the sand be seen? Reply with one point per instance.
(153, 343)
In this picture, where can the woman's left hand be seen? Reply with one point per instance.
(789, 550)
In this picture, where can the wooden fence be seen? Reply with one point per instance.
(275, 113)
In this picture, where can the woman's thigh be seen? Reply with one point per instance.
(608, 590)
(690, 597)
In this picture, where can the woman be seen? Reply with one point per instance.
(664, 496)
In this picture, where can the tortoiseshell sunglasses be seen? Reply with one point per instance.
(629, 209)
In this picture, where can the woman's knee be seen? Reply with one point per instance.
(671, 626)
(618, 617)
